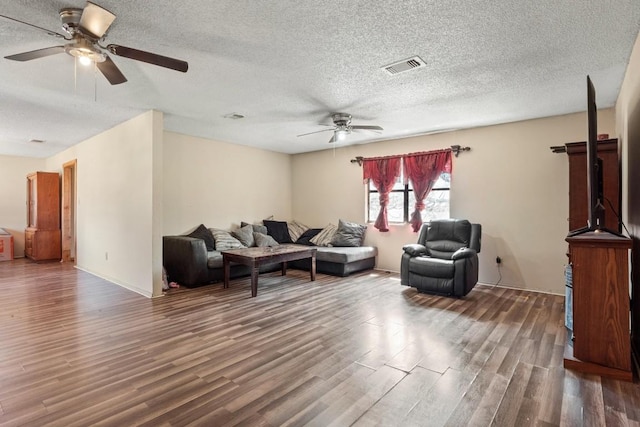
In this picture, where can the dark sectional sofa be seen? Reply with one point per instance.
(188, 262)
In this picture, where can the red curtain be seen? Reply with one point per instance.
(383, 173)
(423, 170)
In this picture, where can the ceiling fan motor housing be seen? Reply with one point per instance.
(70, 18)
(341, 119)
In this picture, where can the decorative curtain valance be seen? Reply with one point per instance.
(421, 169)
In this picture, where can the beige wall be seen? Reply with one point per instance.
(13, 196)
(628, 127)
(119, 201)
(510, 182)
(219, 184)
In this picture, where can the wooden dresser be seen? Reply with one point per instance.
(42, 235)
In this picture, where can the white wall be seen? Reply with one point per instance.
(119, 201)
(13, 196)
(628, 127)
(510, 182)
(219, 184)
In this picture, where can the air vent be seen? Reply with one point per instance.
(405, 65)
(37, 141)
(234, 116)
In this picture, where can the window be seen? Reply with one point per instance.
(402, 201)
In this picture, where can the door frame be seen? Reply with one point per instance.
(69, 248)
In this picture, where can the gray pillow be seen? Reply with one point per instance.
(348, 234)
(258, 228)
(264, 240)
(224, 240)
(245, 235)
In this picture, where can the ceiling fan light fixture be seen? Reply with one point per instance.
(341, 134)
(85, 52)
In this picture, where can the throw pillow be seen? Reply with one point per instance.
(307, 236)
(278, 230)
(224, 240)
(258, 228)
(203, 233)
(296, 229)
(245, 235)
(348, 234)
(324, 237)
(264, 240)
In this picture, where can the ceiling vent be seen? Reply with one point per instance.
(233, 116)
(404, 65)
(36, 141)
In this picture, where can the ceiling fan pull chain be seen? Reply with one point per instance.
(95, 82)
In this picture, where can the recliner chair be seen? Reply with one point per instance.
(445, 259)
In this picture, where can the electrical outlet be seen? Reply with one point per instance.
(498, 260)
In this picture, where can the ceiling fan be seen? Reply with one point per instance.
(85, 29)
(342, 127)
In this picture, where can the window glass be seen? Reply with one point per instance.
(402, 201)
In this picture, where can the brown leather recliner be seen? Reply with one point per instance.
(445, 259)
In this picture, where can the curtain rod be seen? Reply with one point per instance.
(455, 149)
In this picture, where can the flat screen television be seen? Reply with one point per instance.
(595, 198)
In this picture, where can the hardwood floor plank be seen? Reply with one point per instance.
(362, 350)
(396, 405)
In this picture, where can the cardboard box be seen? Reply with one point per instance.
(6, 245)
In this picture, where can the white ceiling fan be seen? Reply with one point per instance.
(342, 127)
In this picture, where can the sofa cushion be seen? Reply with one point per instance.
(278, 230)
(324, 237)
(224, 240)
(258, 228)
(307, 236)
(345, 255)
(264, 240)
(214, 259)
(348, 234)
(245, 235)
(202, 232)
(296, 230)
(431, 267)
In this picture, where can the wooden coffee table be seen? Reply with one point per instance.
(255, 257)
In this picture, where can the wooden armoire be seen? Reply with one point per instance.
(42, 235)
(600, 343)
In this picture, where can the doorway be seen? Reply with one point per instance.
(69, 211)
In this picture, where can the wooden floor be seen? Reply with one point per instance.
(364, 351)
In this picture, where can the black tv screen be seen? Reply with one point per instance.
(594, 172)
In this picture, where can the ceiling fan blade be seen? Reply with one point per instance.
(366, 127)
(35, 54)
(50, 32)
(112, 73)
(95, 20)
(148, 57)
(333, 138)
(317, 131)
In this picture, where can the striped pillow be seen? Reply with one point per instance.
(224, 240)
(296, 229)
(324, 237)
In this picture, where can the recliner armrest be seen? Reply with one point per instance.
(415, 249)
(463, 253)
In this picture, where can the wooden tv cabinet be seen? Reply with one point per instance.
(601, 328)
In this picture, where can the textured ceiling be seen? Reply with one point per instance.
(285, 65)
